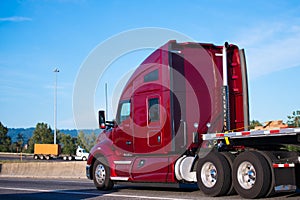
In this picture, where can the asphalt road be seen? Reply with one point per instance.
(16, 188)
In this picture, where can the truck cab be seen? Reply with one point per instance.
(170, 101)
(173, 122)
(81, 154)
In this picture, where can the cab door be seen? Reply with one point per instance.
(123, 133)
(123, 139)
(148, 131)
(151, 163)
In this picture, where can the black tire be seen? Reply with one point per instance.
(101, 175)
(213, 174)
(251, 175)
(297, 169)
(270, 157)
(230, 159)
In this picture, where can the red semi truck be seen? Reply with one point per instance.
(183, 118)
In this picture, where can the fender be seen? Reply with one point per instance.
(105, 149)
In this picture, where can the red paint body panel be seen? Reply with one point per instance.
(150, 169)
(177, 86)
(235, 89)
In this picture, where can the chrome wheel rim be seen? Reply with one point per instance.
(100, 174)
(209, 174)
(246, 175)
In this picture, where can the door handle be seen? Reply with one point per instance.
(128, 142)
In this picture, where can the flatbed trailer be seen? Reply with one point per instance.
(254, 133)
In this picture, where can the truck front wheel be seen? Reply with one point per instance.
(251, 175)
(214, 174)
(101, 175)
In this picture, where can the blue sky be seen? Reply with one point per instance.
(40, 35)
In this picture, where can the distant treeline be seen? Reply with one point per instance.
(23, 139)
(28, 133)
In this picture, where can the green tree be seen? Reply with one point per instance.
(20, 141)
(254, 123)
(15, 147)
(30, 145)
(42, 134)
(91, 140)
(294, 119)
(86, 141)
(67, 143)
(81, 141)
(18, 145)
(5, 141)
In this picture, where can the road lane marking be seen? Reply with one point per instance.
(45, 180)
(24, 189)
(88, 193)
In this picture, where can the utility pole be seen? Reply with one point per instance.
(55, 103)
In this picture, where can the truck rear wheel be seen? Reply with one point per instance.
(270, 157)
(101, 175)
(214, 174)
(230, 159)
(251, 175)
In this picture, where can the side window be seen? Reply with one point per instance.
(124, 111)
(151, 76)
(153, 109)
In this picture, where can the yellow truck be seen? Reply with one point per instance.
(48, 151)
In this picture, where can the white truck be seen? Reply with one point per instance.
(48, 151)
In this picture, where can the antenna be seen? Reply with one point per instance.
(106, 104)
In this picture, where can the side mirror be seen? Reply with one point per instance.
(101, 115)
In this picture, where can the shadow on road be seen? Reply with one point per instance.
(120, 192)
(56, 194)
